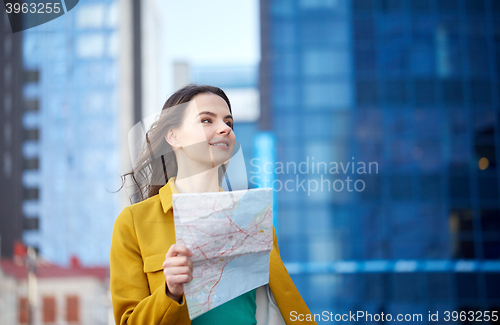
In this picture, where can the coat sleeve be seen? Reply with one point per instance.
(133, 303)
(285, 293)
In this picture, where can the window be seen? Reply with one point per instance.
(488, 188)
(391, 5)
(430, 187)
(475, 6)
(285, 64)
(394, 54)
(372, 187)
(282, 8)
(31, 134)
(490, 221)
(338, 5)
(7, 74)
(396, 91)
(327, 94)
(460, 220)
(478, 57)
(371, 152)
(424, 91)
(31, 105)
(113, 45)
(480, 91)
(366, 92)
(7, 163)
(477, 28)
(453, 91)
(283, 33)
(492, 287)
(325, 32)
(325, 63)
(422, 59)
(362, 5)
(72, 309)
(447, 5)
(90, 45)
(464, 249)
(459, 187)
(401, 187)
(402, 149)
(32, 163)
(113, 15)
(90, 16)
(7, 44)
(466, 285)
(364, 29)
(7, 103)
(49, 309)
(31, 76)
(448, 49)
(438, 286)
(7, 132)
(31, 193)
(30, 223)
(421, 6)
(23, 309)
(285, 96)
(365, 58)
(406, 287)
(491, 249)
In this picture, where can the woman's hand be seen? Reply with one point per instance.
(178, 270)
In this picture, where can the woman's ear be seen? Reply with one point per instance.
(172, 139)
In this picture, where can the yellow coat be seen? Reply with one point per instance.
(142, 235)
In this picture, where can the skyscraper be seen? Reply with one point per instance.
(413, 87)
(88, 95)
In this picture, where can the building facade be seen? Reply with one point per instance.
(73, 295)
(12, 162)
(87, 96)
(409, 88)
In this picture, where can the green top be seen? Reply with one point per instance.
(240, 310)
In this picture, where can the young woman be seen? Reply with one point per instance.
(185, 152)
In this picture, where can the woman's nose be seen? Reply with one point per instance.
(225, 129)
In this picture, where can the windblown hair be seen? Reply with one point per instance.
(151, 173)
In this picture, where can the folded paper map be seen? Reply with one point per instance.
(230, 235)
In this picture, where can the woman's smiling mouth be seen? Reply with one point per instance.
(220, 143)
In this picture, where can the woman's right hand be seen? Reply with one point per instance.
(178, 270)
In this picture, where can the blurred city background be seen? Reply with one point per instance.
(411, 86)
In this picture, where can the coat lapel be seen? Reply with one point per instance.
(166, 194)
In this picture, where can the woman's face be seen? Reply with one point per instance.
(205, 137)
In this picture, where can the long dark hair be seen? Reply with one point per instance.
(150, 171)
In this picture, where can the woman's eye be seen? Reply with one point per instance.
(229, 123)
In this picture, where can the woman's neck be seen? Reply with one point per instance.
(206, 181)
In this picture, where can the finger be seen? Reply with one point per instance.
(177, 249)
(177, 270)
(179, 279)
(178, 261)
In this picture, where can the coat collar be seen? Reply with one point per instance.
(166, 194)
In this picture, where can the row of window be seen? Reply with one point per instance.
(425, 6)
(425, 91)
(421, 287)
(49, 310)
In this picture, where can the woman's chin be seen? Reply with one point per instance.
(220, 159)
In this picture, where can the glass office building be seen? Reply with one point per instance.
(410, 89)
(75, 140)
